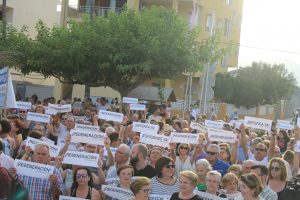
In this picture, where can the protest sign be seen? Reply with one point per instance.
(7, 94)
(117, 192)
(137, 107)
(186, 138)
(130, 100)
(144, 128)
(61, 143)
(50, 111)
(159, 197)
(284, 125)
(53, 149)
(37, 117)
(23, 105)
(198, 127)
(237, 123)
(33, 169)
(111, 116)
(214, 124)
(258, 123)
(207, 196)
(79, 118)
(60, 108)
(297, 148)
(69, 198)
(116, 181)
(220, 135)
(112, 149)
(81, 158)
(155, 139)
(89, 137)
(298, 122)
(84, 127)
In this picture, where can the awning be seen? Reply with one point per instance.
(150, 93)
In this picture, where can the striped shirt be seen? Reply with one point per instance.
(268, 194)
(41, 189)
(158, 187)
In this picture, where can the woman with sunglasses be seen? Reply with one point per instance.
(164, 182)
(141, 188)
(277, 176)
(82, 185)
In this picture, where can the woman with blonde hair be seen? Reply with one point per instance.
(230, 184)
(141, 188)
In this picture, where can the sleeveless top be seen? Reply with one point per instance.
(88, 196)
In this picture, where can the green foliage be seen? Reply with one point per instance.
(256, 85)
(120, 51)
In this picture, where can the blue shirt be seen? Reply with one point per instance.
(221, 166)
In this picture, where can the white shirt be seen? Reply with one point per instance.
(6, 161)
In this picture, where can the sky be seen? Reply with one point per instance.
(272, 29)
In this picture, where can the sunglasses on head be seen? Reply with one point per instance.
(211, 153)
(169, 166)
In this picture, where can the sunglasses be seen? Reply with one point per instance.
(211, 153)
(186, 148)
(169, 166)
(64, 118)
(78, 176)
(258, 149)
(275, 168)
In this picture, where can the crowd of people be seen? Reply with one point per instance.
(258, 165)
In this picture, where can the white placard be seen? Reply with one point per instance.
(84, 127)
(220, 135)
(144, 128)
(81, 158)
(37, 117)
(137, 107)
(79, 118)
(258, 123)
(214, 124)
(50, 111)
(298, 122)
(112, 149)
(130, 100)
(159, 197)
(186, 138)
(69, 198)
(208, 196)
(33, 169)
(62, 141)
(117, 192)
(111, 116)
(155, 139)
(116, 180)
(23, 105)
(237, 123)
(89, 137)
(284, 125)
(53, 149)
(297, 148)
(198, 127)
(60, 108)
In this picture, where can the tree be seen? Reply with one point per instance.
(256, 85)
(120, 51)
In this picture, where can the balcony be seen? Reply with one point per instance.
(95, 10)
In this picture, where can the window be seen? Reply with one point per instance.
(199, 14)
(209, 22)
(229, 2)
(219, 25)
(224, 61)
(227, 27)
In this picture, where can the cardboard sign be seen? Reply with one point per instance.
(137, 107)
(112, 149)
(159, 197)
(81, 158)
(297, 148)
(88, 137)
(23, 105)
(60, 108)
(155, 139)
(53, 149)
(284, 125)
(33, 169)
(69, 198)
(50, 111)
(214, 124)
(144, 128)
(117, 192)
(198, 127)
(130, 100)
(86, 127)
(220, 135)
(208, 196)
(258, 123)
(111, 116)
(237, 123)
(37, 117)
(186, 138)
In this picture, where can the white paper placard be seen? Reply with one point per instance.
(47, 140)
(258, 123)
(198, 127)
(137, 107)
(60, 108)
(117, 192)
(50, 111)
(116, 180)
(69, 198)
(84, 127)
(220, 135)
(214, 124)
(33, 169)
(186, 138)
(23, 105)
(155, 139)
(111, 116)
(112, 149)
(53, 149)
(130, 100)
(237, 123)
(37, 117)
(284, 125)
(144, 127)
(61, 143)
(81, 158)
(298, 122)
(297, 148)
(89, 137)
(159, 197)
(208, 196)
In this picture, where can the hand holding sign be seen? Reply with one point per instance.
(53, 179)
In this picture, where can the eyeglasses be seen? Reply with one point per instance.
(146, 190)
(275, 168)
(258, 149)
(211, 153)
(169, 166)
(186, 148)
(79, 176)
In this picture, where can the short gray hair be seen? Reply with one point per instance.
(127, 149)
(204, 163)
(215, 173)
(214, 146)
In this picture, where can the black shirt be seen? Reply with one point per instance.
(175, 196)
(148, 172)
